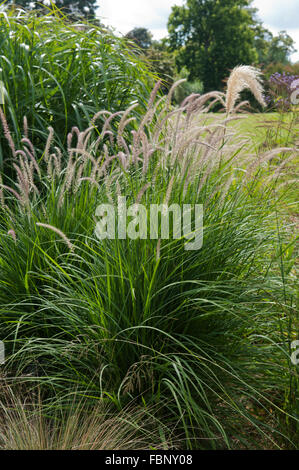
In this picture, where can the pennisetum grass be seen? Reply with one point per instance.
(204, 333)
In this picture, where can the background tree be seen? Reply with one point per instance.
(163, 64)
(262, 40)
(211, 37)
(281, 47)
(156, 54)
(72, 8)
(141, 36)
(272, 49)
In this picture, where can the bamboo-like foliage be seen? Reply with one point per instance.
(56, 74)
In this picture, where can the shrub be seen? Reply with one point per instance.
(163, 64)
(289, 69)
(187, 88)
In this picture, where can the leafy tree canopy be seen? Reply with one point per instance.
(162, 63)
(156, 54)
(211, 37)
(141, 36)
(273, 49)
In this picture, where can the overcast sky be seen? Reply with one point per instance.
(124, 15)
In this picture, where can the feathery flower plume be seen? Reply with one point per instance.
(59, 232)
(154, 94)
(124, 120)
(172, 90)
(78, 179)
(266, 157)
(7, 132)
(23, 181)
(57, 158)
(29, 143)
(2, 200)
(84, 135)
(70, 136)
(158, 249)
(141, 192)
(107, 124)
(12, 233)
(25, 127)
(11, 190)
(242, 77)
(31, 155)
(97, 115)
(49, 141)
(88, 178)
(150, 109)
(169, 190)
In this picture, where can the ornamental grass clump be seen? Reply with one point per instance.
(202, 333)
(28, 423)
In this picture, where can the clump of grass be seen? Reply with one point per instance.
(205, 332)
(55, 74)
(28, 424)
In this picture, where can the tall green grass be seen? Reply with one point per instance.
(204, 336)
(57, 74)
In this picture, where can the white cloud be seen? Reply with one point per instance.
(279, 14)
(124, 15)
